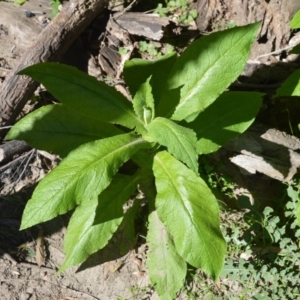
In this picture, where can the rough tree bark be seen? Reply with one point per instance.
(51, 44)
(275, 15)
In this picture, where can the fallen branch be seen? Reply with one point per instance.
(10, 149)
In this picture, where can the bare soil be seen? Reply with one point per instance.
(108, 274)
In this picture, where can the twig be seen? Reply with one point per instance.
(30, 156)
(275, 52)
(15, 161)
(255, 86)
(124, 10)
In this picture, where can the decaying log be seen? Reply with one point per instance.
(50, 45)
(267, 151)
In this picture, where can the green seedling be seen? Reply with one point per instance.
(55, 7)
(178, 8)
(150, 48)
(264, 259)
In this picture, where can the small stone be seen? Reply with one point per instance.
(24, 296)
(29, 14)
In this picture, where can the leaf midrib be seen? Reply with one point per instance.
(127, 145)
(87, 229)
(89, 166)
(179, 141)
(185, 208)
(191, 93)
(117, 103)
(217, 121)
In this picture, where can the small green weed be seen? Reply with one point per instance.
(264, 256)
(122, 50)
(55, 7)
(263, 260)
(154, 50)
(141, 292)
(148, 47)
(178, 9)
(215, 179)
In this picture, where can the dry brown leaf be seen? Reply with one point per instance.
(39, 250)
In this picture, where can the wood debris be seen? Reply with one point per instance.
(150, 26)
(40, 249)
(267, 151)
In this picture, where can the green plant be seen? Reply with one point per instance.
(122, 50)
(178, 9)
(55, 7)
(155, 51)
(214, 177)
(179, 110)
(150, 48)
(264, 257)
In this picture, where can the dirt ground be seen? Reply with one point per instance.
(106, 275)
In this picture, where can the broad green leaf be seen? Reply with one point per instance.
(190, 213)
(136, 72)
(143, 102)
(295, 22)
(58, 129)
(167, 270)
(231, 114)
(180, 141)
(81, 176)
(291, 86)
(84, 94)
(205, 69)
(94, 222)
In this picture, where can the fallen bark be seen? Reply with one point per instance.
(51, 44)
(141, 24)
(267, 151)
